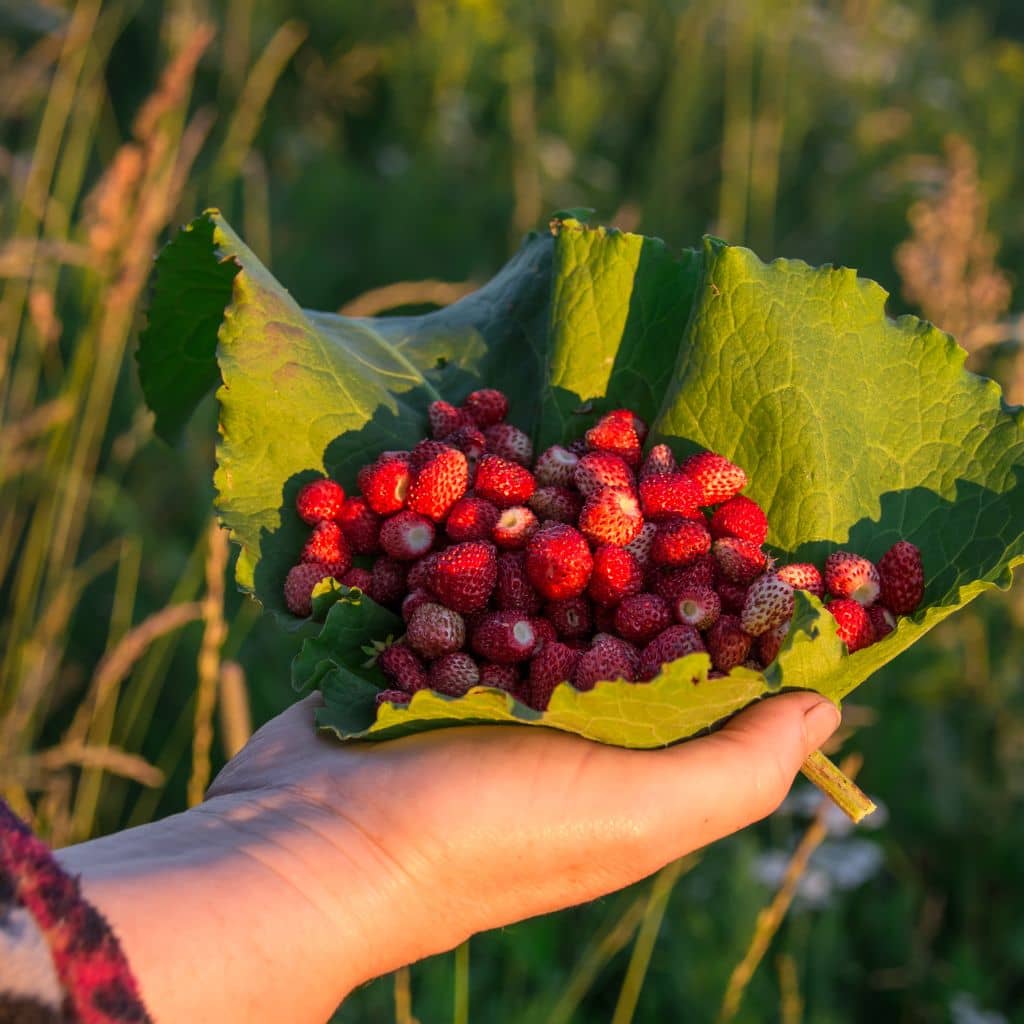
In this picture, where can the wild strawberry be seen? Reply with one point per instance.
(402, 667)
(439, 484)
(545, 633)
(361, 526)
(679, 541)
(571, 617)
(902, 578)
(598, 470)
(509, 443)
(740, 517)
(641, 617)
(640, 546)
(515, 526)
(299, 584)
(361, 578)
(501, 677)
(608, 658)
(319, 500)
(463, 576)
(739, 560)
(617, 432)
(391, 697)
(718, 478)
(504, 637)
(553, 665)
(670, 644)
(470, 441)
(731, 594)
(406, 535)
(426, 451)
(558, 562)
(854, 626)
(769, 643)
(445, 418)
(471, 518)
(852, 576)
(557, 503)
(413, 600)
(803, 576)
(513, 592)
(664, 495)
(697, 606)
(669, 582)
(502, 482)
(769, 603)
(419, 572)
(387, 586)
(728, 643)
(611, 517)
(434, 630)
(555, 466)
(327, 545)
(659, 462)
(487, 406)
(615, 575)
(384, 484)
(882, 619)
(454, 674)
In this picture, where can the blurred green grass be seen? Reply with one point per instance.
(358, 145)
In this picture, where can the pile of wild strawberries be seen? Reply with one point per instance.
(590, 562)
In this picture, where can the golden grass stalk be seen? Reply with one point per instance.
(233, 704)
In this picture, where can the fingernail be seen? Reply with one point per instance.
(820, 721)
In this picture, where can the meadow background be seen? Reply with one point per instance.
(414, 142)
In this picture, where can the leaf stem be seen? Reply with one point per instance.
(831, 780)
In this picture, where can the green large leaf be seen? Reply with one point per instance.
(855, 429)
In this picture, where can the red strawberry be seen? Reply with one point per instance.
(403, 668)
(319, 500)
(439, 484)
(615, 575)
(728, 643)
(740, 517)
(739, 560)
(670, 644)
(671, 582)
(426, 451)
(504, 637)
(697, 606)
(454, 674)
(555, 467)
(545, 631)
(770, 643)
(553, 665)
(558, 562)
(387, 586)
(406, 535)
(487, 407)
(769, 603)
(391, 697)
(731, 594)
(640, 546)
(663, 495)
(463, 576)
(617, 432)
(571, 617)
(513, 592)
(882, 619)
(501, 677)
(608, 658)
(502, 482)
(471, 518)
(445, 418)
(434, 630)
(854, 625)
(852, 576)
(902, 578)
(679, 541)
(470, 441)
(515, 526)
(598, 470)
(803, 576)
(413, 600)
(659, 461)
(611, 517)
(641, 617)
(299, 584)
(360, 578)
(509, 443)
(327, 545)
(718, 478)
(557, 503)
(385, 483)
(419, 573)
(361, 526)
